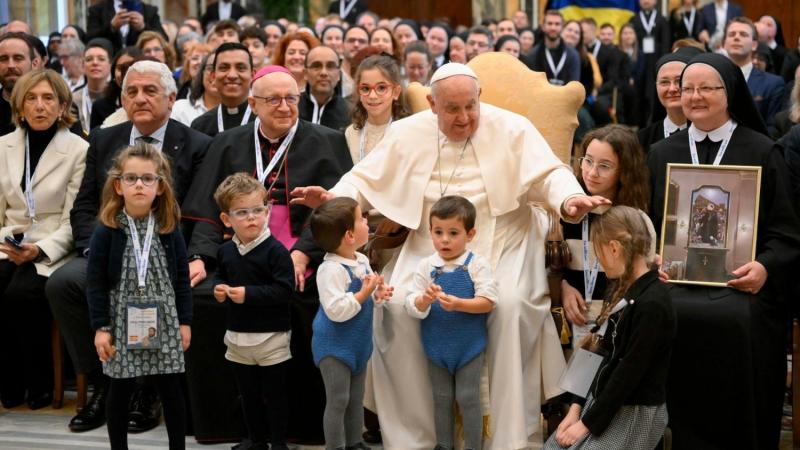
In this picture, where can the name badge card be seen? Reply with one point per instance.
(556, 82)
(142, 328)
(580, 372)
(579, 332)
(648, 45)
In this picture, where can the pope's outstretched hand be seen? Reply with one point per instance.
(311, 196)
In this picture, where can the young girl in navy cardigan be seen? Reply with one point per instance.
(138, 279)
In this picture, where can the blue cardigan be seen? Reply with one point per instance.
(105, 268)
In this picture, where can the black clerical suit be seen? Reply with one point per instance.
(208, 124)
(335, 113)
(98, 24)
(212, 14)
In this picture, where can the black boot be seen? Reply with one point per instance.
(93, 415)
(145, 409)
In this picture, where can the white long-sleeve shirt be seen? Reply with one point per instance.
(333, 281)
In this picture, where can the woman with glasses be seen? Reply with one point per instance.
(730, 348)
(667, 116)
(42, 165)
(202, 97)
(613, 167)
(153, 44)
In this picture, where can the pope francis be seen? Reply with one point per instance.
(501, 163)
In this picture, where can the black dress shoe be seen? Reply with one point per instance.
(12, 401)
(145, 410)
(359, 446)
(372, 437)
(39, 401)
(93, 415)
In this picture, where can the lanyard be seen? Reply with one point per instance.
(720, 152)
(555, 69)
(141, 253)
(29, 200)
(648, 25)
(87, 108)
(363, 138)
(221, 127)
(345, 7)
(690, 23)
(596, 49)
(316, 116)
(262, 173)
(589, 275)
(620, 304)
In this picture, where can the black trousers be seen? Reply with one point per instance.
(257, 384)
(171, 394)
(25, 348)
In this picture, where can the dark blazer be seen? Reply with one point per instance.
(609, 60)
(710, 15)
(212, 14)
(790, 143)
(360, 7)
(767, 92)
(536, 61)
(98, 24)
(105, 268)
(184, 147)
(660, 33)
(678, 27)
(336, 114)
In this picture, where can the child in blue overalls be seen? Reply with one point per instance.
(454, 291)
(342, 339)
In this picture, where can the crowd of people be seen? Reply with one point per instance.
(379, 267)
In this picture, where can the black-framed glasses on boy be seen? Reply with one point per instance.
(244, 213)
(603, 169)
(148, 179)
(291, 100)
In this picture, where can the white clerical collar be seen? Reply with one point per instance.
(276, 140)
(439, 60)
(245, 248)
(716, 135)
(437, 261)
(232, 111)
(772, 45)
(360, 259)
(747, 69)
(670, 127)
(158, 135)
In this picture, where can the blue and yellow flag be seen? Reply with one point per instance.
(615, 12)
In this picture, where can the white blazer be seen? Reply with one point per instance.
(56, 181)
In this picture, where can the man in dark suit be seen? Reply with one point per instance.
(716, 10)
(111, 20)
(766, 88)
(767, 29)
(608, 59)
(66, 288)
(319, 103)
(221, 10)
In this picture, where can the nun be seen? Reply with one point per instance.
(726, 383)
(667, 116)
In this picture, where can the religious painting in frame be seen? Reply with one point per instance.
(710, 222)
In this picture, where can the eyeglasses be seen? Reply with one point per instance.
(291, 100)
(244, 213)
(380, 89)
(318, 66)
(704, 91)
(130, 179)
(603, 169)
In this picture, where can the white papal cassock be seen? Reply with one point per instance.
(505, 166)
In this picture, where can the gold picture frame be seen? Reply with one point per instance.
(710, 222)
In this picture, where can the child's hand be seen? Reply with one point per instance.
(368, 285)
(186, 336)
(572, 434)
(572, 416)
(236, 294)
(383, 292)
(102, 342)
(449, 302)
(221, 292)
(424, 301)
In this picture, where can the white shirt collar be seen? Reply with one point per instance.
(245, 248)
(224, 10)
(747, 69)
(360, 260)
(158, 135)
(772, 45)
(437, 261)
(670, 127)
(717, 135)
(723, 5)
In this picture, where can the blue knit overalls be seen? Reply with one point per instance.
(451, 339)
(350, 341)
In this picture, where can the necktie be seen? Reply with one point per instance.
(147, 139)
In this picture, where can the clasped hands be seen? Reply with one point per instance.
(435, 293)
(373, 284)
(571, 429)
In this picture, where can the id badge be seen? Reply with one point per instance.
(580, 372)
(579, 332)
(648, 45)
(143, 330)
(556, 82)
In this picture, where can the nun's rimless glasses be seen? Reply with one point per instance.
(704, 91)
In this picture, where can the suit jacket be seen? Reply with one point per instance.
(336, 114)
(98, 24)
(609, 61)
(709, 14)
(660, 32)
(678, 27)
(55, 184)
(184, 147)
(212, 14)
(767, 92)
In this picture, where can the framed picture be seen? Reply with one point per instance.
(710, 222)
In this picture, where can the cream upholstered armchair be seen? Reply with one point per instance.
(509, 84)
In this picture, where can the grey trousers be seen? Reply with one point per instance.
(344, 408)
(464, 387)
(66, 292)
